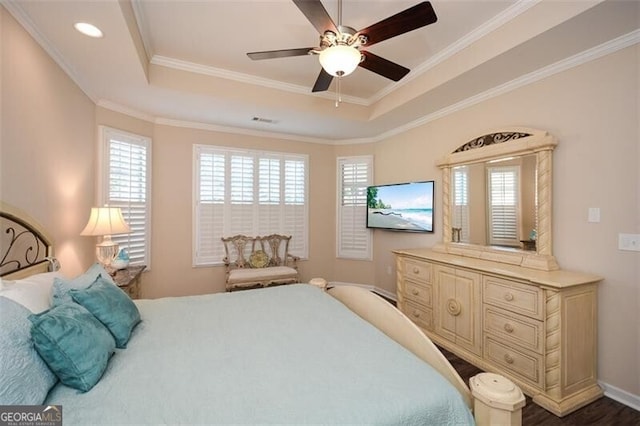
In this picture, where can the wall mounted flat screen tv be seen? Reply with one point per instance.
(401, 207)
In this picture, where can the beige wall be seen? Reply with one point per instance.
(48, 149)
(46, 145)
(171, 272)
(593, 111)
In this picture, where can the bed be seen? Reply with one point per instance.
(292, 354)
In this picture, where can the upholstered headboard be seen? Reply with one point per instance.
(25, 247)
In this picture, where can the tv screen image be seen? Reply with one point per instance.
(401, 207)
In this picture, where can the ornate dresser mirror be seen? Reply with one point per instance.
(497, 195)
(492, 292)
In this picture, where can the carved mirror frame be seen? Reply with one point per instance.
(499, 144)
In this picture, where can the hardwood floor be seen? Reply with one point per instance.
(602, 412)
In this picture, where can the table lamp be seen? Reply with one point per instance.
(106, 221)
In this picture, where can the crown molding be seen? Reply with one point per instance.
(23, 19)
(496, 22)
(247, 78)
(238, 130)
(581, 58)
(502, 18)
(604, 49)
(125, 110)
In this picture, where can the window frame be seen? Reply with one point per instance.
(353, 254)
(106, 135)
(202, 260)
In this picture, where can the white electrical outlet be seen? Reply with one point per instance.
(629, 242)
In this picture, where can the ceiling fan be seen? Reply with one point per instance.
(341, 47)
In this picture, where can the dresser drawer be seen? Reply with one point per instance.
(419, 293)
(423, 317)
(513, 296)
(514, 328)
(525, 364)
(417, 271)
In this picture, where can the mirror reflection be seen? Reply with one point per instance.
(494, 203)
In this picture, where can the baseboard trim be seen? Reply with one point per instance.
(622, 396)
(380, 291)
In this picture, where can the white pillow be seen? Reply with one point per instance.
(34, 292)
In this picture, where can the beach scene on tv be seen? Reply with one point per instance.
(404, 207)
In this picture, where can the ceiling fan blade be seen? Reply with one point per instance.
(323, 81)
(382, 66)
(317, 15)
(408, 20)
(284, 53)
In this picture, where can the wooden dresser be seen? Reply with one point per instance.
(537, 328)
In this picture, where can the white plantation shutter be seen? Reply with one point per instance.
(504, 203)
(210, 193)
(269, 196)
(460, 204)
(295, 216)
(354, 175)
(247, 192)
(126, 183)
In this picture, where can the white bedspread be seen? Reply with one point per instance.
(284, 355)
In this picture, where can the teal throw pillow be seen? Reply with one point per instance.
(61, 286)
(24, 377)
(111, 306)
(74, 344)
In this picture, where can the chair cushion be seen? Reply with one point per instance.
(261, 274)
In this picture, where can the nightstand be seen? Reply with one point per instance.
(128, 279)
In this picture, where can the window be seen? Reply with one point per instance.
(504, 205)
(125, 182)
(353, 239)
(460, 198)
(247, 192)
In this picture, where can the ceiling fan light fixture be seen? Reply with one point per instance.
(340, 60)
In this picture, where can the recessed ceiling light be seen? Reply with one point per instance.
(88, 29)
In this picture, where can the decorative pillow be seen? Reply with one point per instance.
(61, 286)
(24, 377)
(73, 343)
(112, 307)
(34, 292)
(259, 259)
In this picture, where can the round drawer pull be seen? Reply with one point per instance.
(416, 313)
(415, 292)
(508, 328)
(508, 359)
(453, 307)
(508, 297)
(416, 270)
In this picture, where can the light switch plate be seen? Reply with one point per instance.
(594, 214)
(629, 242)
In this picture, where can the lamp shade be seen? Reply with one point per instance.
(105, 221)
(340, 60)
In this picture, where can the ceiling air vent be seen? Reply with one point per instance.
(264, 120)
